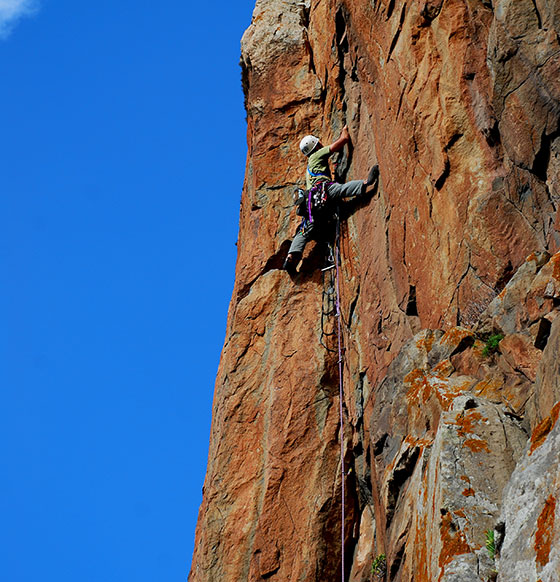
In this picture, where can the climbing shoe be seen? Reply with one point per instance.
(373, 175)
(329, 262)
(291, 263)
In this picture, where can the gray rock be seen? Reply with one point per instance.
(531, 515)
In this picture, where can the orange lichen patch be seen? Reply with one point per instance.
(465, 478)
(460, 513)
(447, 392)
(488, 387)
(468, 492)
(423, 385)
(454, 336)
(476, 445)
(465, 422)
(545, 529)
(453, 542)
(390, 468)
(411, 442)
(421, 552)
(426, 342)
(435, 480)
(419, 390)
(556, 266)
(543, 428)
(444, 369)
(420, 442)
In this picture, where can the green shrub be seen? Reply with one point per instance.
(490, 543)
(492, 344)
(379, 567)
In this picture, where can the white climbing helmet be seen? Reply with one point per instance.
(308, 144)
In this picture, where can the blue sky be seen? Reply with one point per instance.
(121, 166)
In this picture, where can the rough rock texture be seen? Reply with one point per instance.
(530, 548)
(445, 439)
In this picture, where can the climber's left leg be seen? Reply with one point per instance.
(354, 187)
(348, 190)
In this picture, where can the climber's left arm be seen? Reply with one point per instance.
(341, 141)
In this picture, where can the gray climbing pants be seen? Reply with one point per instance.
(335, 192)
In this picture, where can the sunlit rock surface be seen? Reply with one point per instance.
(447, 438)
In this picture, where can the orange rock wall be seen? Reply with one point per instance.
(458, 101)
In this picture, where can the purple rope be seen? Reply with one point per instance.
(341, 390)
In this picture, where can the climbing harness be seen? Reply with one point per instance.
(311, 205)
(317, 198)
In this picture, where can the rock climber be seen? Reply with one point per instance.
(316, 204)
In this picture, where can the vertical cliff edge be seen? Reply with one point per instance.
(450, 292)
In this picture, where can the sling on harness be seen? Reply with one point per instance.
(317, 198)
(312, 204)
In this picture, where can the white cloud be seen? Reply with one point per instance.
(11, 11)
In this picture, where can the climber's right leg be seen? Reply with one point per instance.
(291, 263)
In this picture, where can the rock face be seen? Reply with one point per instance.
(449, 287)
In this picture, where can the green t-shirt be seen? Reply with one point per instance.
(318, 167)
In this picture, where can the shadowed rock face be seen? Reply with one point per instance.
(458, 101)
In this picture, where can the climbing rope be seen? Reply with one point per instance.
(328, 303)
(341, 385)
(328, 309)
(331, 306)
